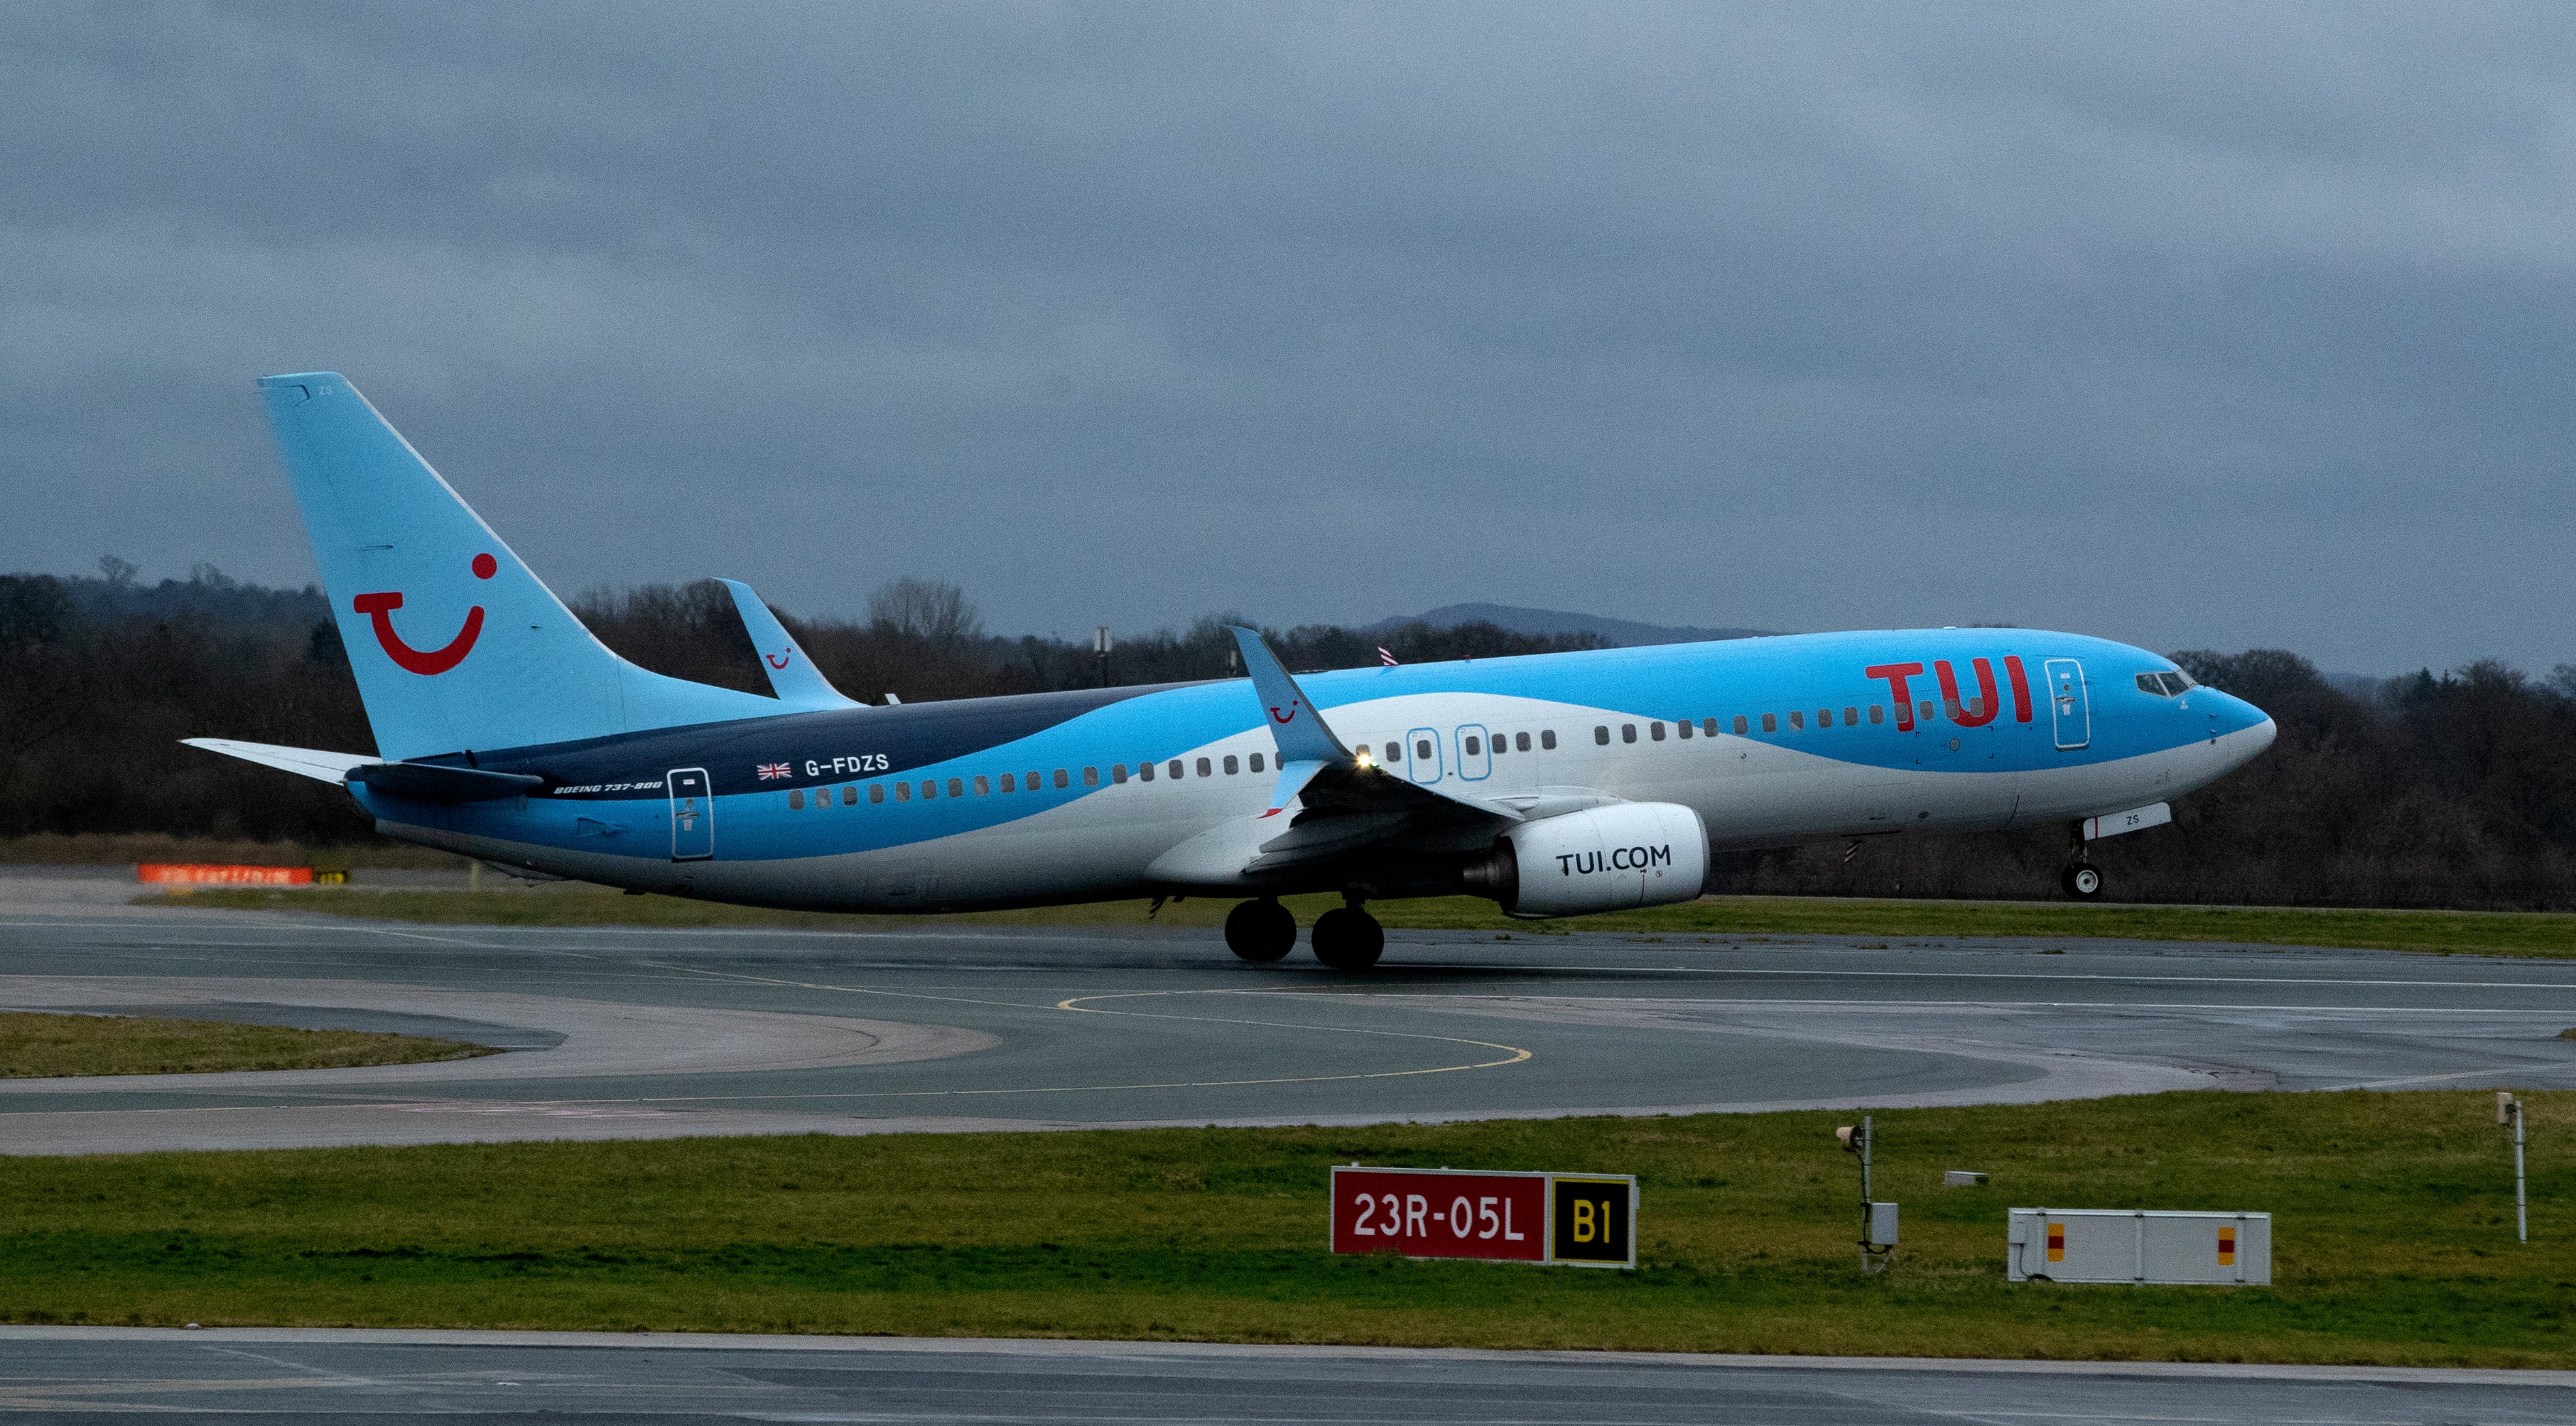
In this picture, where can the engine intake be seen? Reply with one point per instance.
(1600, 859)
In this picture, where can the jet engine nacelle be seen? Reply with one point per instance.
(1600, 859)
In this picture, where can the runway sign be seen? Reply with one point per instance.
(2137, 1246)
(1587, 1220)
(206, 874)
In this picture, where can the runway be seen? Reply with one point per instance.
(330, 1375)
(627, 1033)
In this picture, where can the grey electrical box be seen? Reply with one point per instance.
(2137, 1246)
(1882, 1224)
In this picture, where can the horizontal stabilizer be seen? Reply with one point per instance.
(433, 782)
(792, 676)
(305, 762)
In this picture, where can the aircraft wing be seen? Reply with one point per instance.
(1342, 801)
(792, 676)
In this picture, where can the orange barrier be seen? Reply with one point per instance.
(212, 874)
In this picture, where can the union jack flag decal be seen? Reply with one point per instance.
(770, 770)
(1384, 658)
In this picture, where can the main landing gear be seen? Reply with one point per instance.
(1260, 931)
(1348, 938)
(1345, 938)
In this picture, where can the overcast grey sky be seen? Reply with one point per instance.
(2195, 326)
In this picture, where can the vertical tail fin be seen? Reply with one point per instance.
(455, 642)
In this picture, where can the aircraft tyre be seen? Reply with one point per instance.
(1347, 938)
(1260, 931)
(2083, 881)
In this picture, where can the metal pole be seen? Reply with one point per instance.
(2521, 1211)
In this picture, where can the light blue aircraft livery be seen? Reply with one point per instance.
(1557, 785)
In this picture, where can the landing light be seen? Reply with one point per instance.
(1363, 759)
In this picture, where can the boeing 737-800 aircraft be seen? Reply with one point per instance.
(1557, 785)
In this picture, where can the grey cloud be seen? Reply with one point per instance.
(2195, 325)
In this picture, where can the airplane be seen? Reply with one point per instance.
(1556, 784)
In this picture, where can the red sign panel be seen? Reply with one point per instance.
(1440, 1213)
(203, 874)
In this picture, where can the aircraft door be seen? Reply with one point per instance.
(1475, 762)
(1422, 754)
(2069, 707)
(693, 815)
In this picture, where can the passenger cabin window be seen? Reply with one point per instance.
(1709, 726)
(1797, 718)
(1395, 752)
(1145, 771)
(1256, 762)
(1091, 777)
(1950, 707)
(1118, 774)
(1547, 738)
(956, 787)
(1205, 770)
(929, 789)
(1175, 769)
(1521, 741)
(1684, 729)
(983, 786)
(1010, 783)
(1035, 781)
(1851, 717)
(1061, 780)
(1824, 717)
(1877, 714)
(1472, 747)
(1601, 734)
(1655, 731)
(1422, 748)
(1740, 728)
(1230, 765)
(1924, 713)
(876, 791)
(1770, 722)
(903, 792)
(1627, 732)
(850, 796)
(795, 800)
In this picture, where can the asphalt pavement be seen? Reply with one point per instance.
(625, 1032)
(317, 1375)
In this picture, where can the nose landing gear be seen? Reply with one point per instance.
(2082, 880)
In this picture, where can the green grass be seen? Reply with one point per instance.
(34, 1045)
(2393, 1232)
(2501, 933)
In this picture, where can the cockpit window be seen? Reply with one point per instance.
(2165, 685)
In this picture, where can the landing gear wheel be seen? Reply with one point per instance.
(2083, 881)
(1347, 938)
(1260, 931)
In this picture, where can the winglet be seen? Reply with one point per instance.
(792, 676)
(1306, 746)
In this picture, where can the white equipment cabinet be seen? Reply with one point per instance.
(2137, 1246)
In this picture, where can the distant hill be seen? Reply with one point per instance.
(1623, 633)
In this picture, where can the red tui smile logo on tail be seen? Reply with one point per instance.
(380, 607)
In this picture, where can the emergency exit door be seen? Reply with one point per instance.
(693, 815)
(2069, 708)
